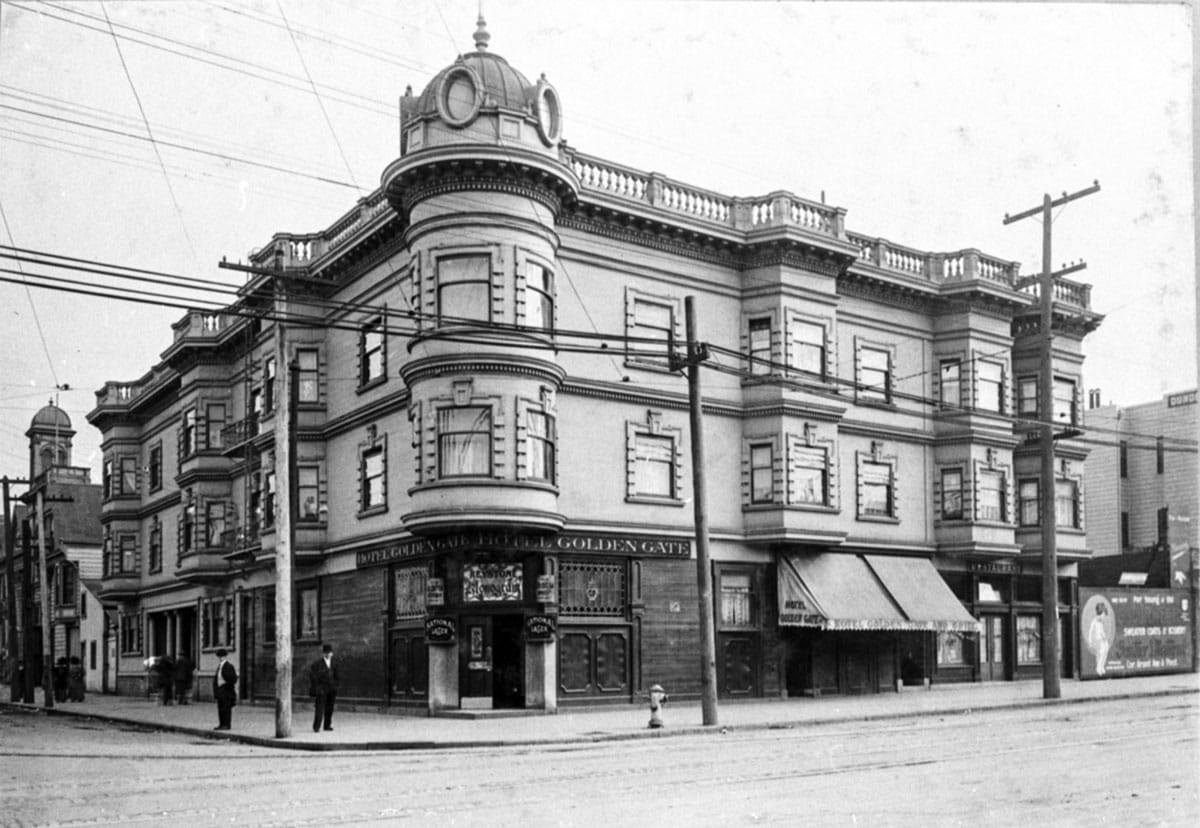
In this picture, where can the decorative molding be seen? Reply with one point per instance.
(475, 364)
(640, 232)
(891, 293)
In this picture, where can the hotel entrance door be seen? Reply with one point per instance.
(492, 664)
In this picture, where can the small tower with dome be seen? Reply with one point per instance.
(49, 436)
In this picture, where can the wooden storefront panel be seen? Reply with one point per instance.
(593, 663)
(350, 620)
(671, 629)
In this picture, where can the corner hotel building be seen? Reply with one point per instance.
(492, 480)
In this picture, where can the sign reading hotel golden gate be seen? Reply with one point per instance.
(1128, 632)
(564, 542)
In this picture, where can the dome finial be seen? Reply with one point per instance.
(481, 33)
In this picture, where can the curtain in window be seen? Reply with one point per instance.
(465, 441)
(540, 450)
(655, 465)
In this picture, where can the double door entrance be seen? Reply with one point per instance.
(993, 662)
(491, 662)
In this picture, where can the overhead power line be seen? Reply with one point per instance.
(317, 95)
(501, 335)
(150, 134)
(184, 147)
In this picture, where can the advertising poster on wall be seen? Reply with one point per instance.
(1128, 632)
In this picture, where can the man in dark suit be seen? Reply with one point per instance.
(224, 691)
(323, 686)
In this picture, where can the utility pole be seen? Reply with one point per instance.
(30, 642)
(285, 506)
(47, 632)
(10, 554)
(285, 533)
(696, 354)
(1051, 649)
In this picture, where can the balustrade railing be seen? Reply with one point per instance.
(1065, 291)
(203, 324)
(962, 265)
(774, 209)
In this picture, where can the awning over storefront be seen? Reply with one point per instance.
(854, 592)
(922, 594)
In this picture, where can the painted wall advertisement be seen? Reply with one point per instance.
(1128, 632)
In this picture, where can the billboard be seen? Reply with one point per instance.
(1128, 632)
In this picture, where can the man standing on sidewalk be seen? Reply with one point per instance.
(322, 686)
(224, 691)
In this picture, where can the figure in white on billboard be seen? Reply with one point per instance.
(1098, 641)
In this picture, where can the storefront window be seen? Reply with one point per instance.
(1029, 639)
(306, 613)
(408, 592)
(952, 651)
(737, 599)
(591, 588)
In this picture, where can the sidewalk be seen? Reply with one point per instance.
(358, 730)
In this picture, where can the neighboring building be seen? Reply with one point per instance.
(1143, 474)
(492, 493)
(71, 525)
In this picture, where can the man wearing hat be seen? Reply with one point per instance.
(322, 686)
(224, 691)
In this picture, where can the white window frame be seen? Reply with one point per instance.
(797, 345)
(374, 446)
(544, 297)
(946, 399)
(447, 471)
(982, 474)
(485, 279)
(308, 379)
(866, 390)
(372, 352)
(531, 445)
(959, 491)
(760, 350)
(800, 448)
(982, 381)
(644, 354)
(654, 427)
(868, 468)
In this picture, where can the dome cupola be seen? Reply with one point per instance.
(49, 418)
(481, 99)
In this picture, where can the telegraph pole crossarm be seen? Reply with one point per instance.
(1051, 646)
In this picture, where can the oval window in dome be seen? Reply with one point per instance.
(459, 101)
(549, 114)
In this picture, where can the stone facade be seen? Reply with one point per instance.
(492, 484)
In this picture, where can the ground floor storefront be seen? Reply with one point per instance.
(505, 620)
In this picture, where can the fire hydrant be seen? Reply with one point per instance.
(658, 697)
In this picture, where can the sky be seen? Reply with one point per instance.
(928, 122)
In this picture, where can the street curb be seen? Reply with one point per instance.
(588, 738)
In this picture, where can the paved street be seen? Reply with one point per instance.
(1104, 762)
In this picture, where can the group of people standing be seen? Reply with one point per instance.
(323, 682)
(68, 680)
(174, 678)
